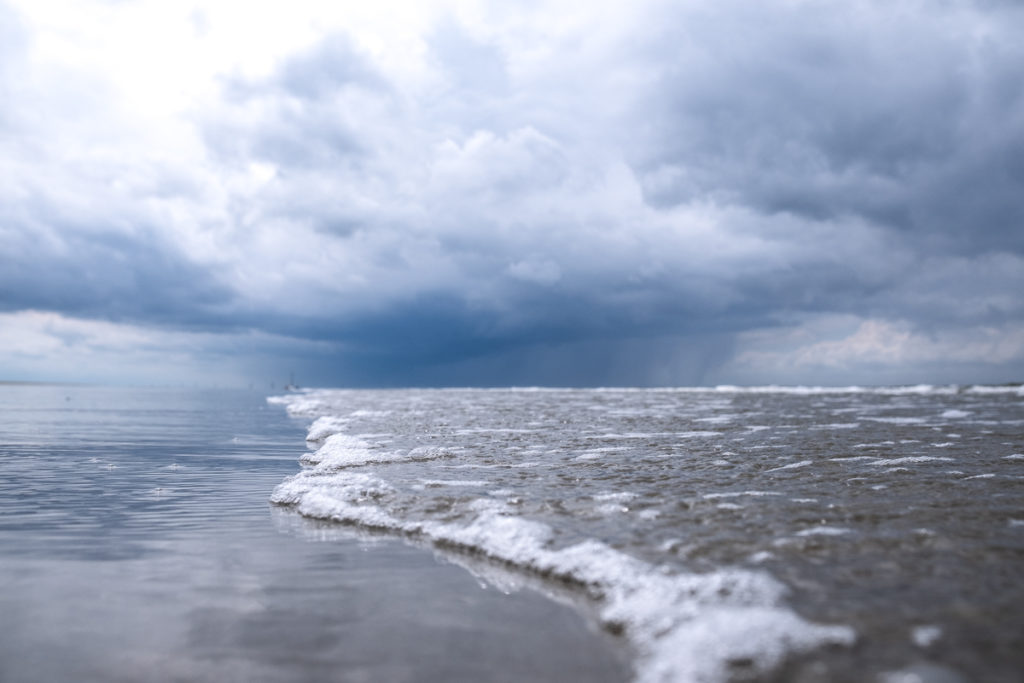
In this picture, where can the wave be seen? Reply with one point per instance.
(306, 403)
(682, 626)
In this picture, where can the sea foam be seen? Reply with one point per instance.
(682, 626)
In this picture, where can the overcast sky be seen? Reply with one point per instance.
(512, 193)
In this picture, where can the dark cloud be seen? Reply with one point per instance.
(910, 121)
(51, 263)
(629, 201)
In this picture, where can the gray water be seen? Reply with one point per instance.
(137, 544)
(896, 514)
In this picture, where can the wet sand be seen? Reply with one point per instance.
(133, 552)
(278, 607)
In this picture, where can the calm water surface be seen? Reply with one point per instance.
(137, 543)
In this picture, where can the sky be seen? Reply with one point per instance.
(476, 193)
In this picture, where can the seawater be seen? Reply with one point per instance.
(137, 544)
(725, 534)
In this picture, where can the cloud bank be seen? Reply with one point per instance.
(483, 193)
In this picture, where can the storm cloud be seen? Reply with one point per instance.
(659, 193)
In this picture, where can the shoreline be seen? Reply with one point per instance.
(138, 544)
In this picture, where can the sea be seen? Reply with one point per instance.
(693, 534)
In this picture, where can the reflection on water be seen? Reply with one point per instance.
(138, 544)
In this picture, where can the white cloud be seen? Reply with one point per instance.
(40, 345)
(850, 346)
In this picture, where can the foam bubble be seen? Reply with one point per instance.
(324, 427)
(299, 405)
(610, 509)
(621, 496)
(1002, 389)
(735, 494)
(824, 531)
(684, 627)
(911, 459)
(792, 466)
(924, 636)
(718, 419)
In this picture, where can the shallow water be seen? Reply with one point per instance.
(793, 533)
(137, 543)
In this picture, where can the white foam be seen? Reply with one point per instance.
(736, 494)
(824, 530)
(630, 435)
(911, 459)
(620, 496)
(954, 414)
(324, 427)
(792, 466)
(1014, 456)
(980, 476)
(1006, 389)
(811, 390)
(924, 636)
(595, 453)
(897, 420)
(501, 492)
(299, 405)
(683, 627)
(342, 450)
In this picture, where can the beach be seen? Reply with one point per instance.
(717, 534)
(138, 543)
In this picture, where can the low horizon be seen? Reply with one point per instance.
(262, 387)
